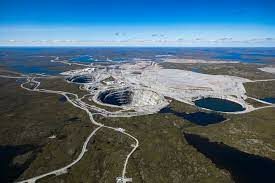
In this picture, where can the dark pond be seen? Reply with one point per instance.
(82, 58)
(80, 79)
(217, 104)
(244, 167)
(62, 99)
(73, 119)
(9, 170)
(27, 69)
(116, 97)
(199, 118)
(245, 58)
(269, 99)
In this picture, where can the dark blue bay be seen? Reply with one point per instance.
(243, 167)
(9, 171)
(199, 118)
(28, 69)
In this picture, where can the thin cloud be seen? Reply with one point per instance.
(160, 41)
(158, 35)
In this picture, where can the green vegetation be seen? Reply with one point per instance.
(30, 118)
(103, 161)
(260, 89)
(255, 103)
(60, 84)
(252, 132)
(249, 71)
(4, 71)
(182, 107)
(163, 155)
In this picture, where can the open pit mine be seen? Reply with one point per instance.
(147, 87)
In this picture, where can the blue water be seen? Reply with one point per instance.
(217, 104)
(240, 57)
(10, 171)
(83, 59)
(245, 55)
(29, 60)
(62, 99)
(243, 167)
(199, 118)
(269, 99)
(28, 69)
(89, 59)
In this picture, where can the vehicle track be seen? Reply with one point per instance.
(77, 102)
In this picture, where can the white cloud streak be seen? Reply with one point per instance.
(161, 41)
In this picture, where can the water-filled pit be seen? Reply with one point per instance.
(217, 104)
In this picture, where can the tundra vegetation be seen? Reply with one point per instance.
(44, 132)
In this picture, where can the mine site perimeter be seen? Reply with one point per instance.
(138, 89)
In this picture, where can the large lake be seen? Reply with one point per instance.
(37, 59)
(244, 167)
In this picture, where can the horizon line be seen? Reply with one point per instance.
(130, 46)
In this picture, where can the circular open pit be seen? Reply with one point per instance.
(116, 97)
(80, 79)
(132, 99)
(220, 105)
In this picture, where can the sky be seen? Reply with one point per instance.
(214, 23)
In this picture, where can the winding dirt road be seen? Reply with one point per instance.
(77, 102)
